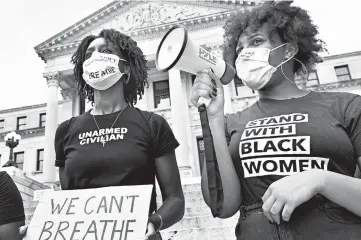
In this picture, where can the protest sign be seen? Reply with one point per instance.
(92, 214)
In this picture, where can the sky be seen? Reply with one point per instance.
(26, 23)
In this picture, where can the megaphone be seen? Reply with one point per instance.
(177, 51)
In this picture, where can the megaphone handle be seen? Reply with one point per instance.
(205, 101)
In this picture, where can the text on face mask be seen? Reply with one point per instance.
(99, 74)
(247, 54)
(108, 58)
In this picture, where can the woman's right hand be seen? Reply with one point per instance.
(208, 85)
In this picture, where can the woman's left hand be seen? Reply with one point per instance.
(150, 231)
(284, 195)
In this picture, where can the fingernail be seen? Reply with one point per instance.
(214, 89)
(213, 81)
(214, 94)
(210, 95)
(212, 70)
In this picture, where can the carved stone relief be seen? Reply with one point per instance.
(214, 48)
(153, 14)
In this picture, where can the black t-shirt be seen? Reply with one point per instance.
(127, 157)
(275, 138)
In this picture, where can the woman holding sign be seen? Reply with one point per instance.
(264, 151)
(116, 144)
(12, 214)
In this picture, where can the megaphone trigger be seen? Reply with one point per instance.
(203, 100)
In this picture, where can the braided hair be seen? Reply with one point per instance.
(138, 78)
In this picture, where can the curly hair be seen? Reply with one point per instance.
(292, 24)
(138, 78)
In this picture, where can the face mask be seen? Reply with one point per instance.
(101, 71)
(253, 68)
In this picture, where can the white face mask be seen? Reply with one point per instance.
(253, 68)
(101, 71)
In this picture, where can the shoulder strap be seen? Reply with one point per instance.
(214, 179)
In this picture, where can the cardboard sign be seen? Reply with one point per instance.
(92, 214)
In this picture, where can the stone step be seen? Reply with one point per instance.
(197, 211)
(204, 221)
(190, 203)
(190, 184)
(30, 204)
(187, 194)
(206, 233)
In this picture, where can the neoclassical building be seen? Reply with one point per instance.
(168, 92)
(167, 95)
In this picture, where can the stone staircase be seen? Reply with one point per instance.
(197, 223)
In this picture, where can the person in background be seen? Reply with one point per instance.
(287, 162)
(12, 215)
(115, 143)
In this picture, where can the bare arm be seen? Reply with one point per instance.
(343, 190)
(172, 209)
(230, 181)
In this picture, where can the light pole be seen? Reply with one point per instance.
(12, 141)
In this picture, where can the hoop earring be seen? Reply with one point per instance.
(304, 67)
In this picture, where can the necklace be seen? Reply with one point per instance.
(103, 141)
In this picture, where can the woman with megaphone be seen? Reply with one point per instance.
(287, 162)
(115, 143)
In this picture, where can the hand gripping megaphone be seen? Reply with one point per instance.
(177, 51)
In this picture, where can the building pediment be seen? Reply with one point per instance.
(146, 16)
(141, 20)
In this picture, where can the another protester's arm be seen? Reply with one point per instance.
(207, 84)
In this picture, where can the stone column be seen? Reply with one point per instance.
(72, 104)
(179, 112)
(216, 49)
(49, 169)
(186, 77)
(227, 98)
